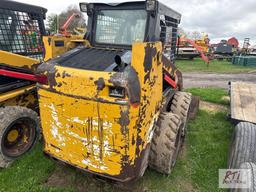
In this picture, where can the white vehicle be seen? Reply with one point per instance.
(187, 52)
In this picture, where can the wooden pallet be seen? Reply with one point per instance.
(243, 101)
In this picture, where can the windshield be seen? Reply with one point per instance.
(121, 27)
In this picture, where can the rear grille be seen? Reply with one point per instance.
(90, 59)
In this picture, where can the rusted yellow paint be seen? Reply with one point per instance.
(87, 128)
(15, 60)
(25, 97)
(57, 45)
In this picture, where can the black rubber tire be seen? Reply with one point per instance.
(243, 145)
(164, 149)
(9, 115)
(180, 106)
(194, 107)
(252, 176)
(252, 167)
(180, 80)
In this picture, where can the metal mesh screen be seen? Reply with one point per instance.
(168, 35)
(20, 33)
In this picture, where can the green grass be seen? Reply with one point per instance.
(208, 140)
(204, 152)
(198, 65)
(213, 95)
(27, 173)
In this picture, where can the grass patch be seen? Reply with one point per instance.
(27, 173)
(198, 65)
(213, 95)
(208, 140)
(205, 152)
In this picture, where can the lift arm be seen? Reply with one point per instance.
(198, 48)
(67, 23)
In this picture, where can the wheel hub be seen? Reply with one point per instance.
(18, 138)
(12, 136)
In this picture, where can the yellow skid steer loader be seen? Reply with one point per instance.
(117, 106)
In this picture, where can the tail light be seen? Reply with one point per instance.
(118, 92)
(42, 79)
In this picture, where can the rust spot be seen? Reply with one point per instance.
(124, 121)
(57, 75)
(128, 79)
(34, 67)
(65, 74)
(100, 83)
(48, 69)
(132, 172)
(133, 140)
(59, 84)
(150, 53)
(169, 66)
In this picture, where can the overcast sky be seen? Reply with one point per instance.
(221, 19)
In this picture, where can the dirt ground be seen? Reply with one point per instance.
(211, 107)
(204, 80)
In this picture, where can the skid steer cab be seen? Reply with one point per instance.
(21, 49)
(114, 107)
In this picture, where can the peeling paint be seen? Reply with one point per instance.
(102, 135)
(129, 80)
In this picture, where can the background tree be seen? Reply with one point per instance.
(52, 23)
(55, 22)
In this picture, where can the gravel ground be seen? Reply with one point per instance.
(203, 80)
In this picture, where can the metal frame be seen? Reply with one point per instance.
(153, 23)
(17, 6)
(22, 28)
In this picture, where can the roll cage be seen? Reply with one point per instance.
(162, 23)
(22, 28)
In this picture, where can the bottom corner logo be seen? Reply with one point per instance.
(235, 178)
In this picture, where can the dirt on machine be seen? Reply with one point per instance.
(116, 106)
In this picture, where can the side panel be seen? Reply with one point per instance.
(58, 45)
(25, 97)
(18, 61)
(147, 61)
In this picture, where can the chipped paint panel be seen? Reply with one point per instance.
(148, 65)
(79, 83)
(87, 135)
(81, 125)
(52, 51)
(25, 97)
